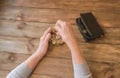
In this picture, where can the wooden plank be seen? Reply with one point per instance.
(55, 67)
(8, 61)
(34, 30)
(105, 18)
(51, 66)
(30, 29)
(100, 51)
(118, 4)
(41, 76)
(3, 73)
(18, 45)
(92, 52)
(104, 69)
(62, 4)
(117, 72)
(29, 45)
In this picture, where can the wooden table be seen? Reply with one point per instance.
(22, 22)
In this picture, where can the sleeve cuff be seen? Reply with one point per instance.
(81, 71)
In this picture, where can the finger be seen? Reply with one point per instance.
(59, 21)
(62, 23)
(48, 36)
(58, 28)
(46, 32)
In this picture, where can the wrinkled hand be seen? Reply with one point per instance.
(44, 41)
(66, 32)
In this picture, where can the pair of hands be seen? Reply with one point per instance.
(64, 30)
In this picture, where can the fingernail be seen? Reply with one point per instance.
(58, 20)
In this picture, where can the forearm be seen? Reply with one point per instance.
(66, 31)
(21, 71)
(81, 69)
(33, 60)
(77, 57)
(24, 70)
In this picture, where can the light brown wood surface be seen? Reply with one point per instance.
(19, 39)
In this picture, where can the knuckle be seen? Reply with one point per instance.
(41, 38)
(64, 23)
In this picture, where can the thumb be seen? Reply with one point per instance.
(48, 36)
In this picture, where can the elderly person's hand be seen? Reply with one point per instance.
(44, 41)
(66, 32)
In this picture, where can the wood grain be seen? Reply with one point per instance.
(33, 30)
(90, 51)
(60, 68)
(22, 23)
(62, 4)
(105, 18)
(13, 45)
(3, 73)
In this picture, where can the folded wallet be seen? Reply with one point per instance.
(89, 27)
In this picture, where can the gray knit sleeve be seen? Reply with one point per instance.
(21, 71)
(81, 71)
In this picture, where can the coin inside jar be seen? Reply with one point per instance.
(84, 31)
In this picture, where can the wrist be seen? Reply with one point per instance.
(71, 43)
(73, 46)
(39, 53)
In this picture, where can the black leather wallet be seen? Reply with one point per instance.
(89, 27)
